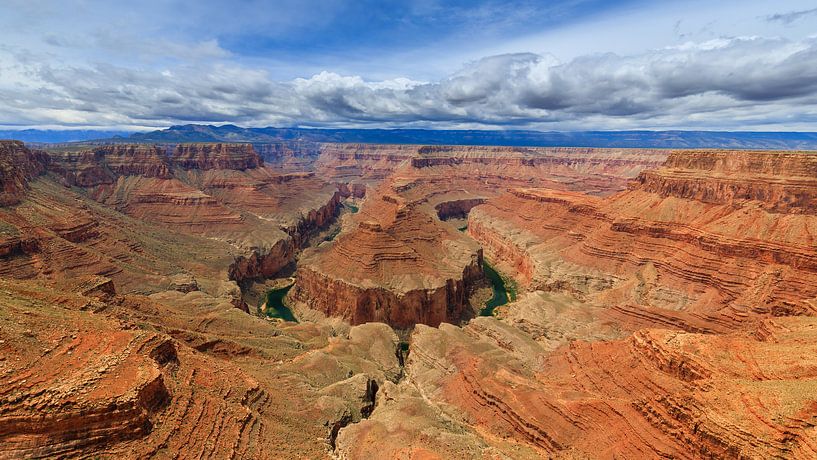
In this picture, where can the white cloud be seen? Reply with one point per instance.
(712, 83)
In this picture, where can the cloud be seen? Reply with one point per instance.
(720, 84)
(788, 18)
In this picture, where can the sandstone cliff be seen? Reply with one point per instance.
(399, 266)
(215, 156)
(780, 182)
(18, 165)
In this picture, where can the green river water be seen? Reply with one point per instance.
(502, 293)
(275, 304)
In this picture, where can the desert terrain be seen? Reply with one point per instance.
(335, 300)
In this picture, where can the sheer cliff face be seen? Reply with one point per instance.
(103, 165)
(204, 157)
(399, 266)
(779, 182)
(18, 165)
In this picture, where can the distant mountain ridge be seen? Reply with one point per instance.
(55, 136)
(521, 138)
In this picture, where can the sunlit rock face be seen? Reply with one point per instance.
(664, 304)
(18, 165)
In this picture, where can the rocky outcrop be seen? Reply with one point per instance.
(400, 308)
(90, 391)
(204, 157)
(779, 182)
(81, 229)
(18, 165)
(457, 209)
(10, 247)
(354, 190)
(265, 263)
(400, 266)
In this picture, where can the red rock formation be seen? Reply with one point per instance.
(682, 395)
(348, 162)
(724, 258)
(444, 182)
(204, 157)
(96, 384)
(101, 165)
(18, 164)
(457, 209)
(780, 182)
(400, 267)
(136, 160)
(673, 318)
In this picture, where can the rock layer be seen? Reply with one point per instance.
(399, 266)
(661, 313)
(18, 165)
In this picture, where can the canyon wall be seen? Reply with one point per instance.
(721, 256)
(780, 182)
(265, 263)
(204, 157)
(18, 165)
(457, 209)
(399, 266)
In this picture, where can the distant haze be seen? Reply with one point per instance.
(620, 139)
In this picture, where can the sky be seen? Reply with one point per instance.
(481, 64)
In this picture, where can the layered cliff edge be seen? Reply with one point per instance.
(398, 266)
(656, 322)
(744, 247)
(133, 211)
(18, 164)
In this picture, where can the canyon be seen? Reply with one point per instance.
(663, 301)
